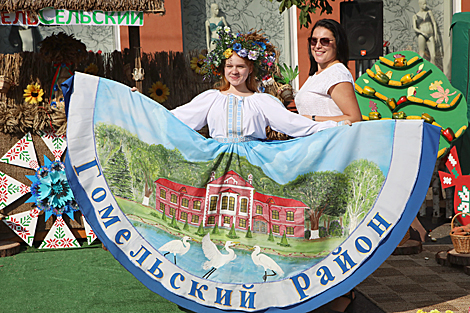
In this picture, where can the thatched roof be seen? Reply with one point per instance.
(147, 6)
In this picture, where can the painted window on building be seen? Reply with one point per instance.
(213, 203)
(163, 193)
(244, 205)
(195, 219)
(276, 229)
(231, 204)
(290, 216)
(211, 220)
(226, 219)
(197, 205)
(185, 202)
(289, 230)
(173, 199)
(184, 216)
(275, 215)
(259, 209)
(172, 211)
(162, 206)
(224, 203)
(242, 223)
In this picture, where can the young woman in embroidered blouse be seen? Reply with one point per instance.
(328, 93)
(235, 112)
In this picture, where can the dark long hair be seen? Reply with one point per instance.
(342, 48)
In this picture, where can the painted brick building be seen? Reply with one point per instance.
(231, 199)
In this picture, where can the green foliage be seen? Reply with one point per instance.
(306, 7)
(335, 229)
(248, 233)
(232, 234)
(284, 242)
(174, 223)
(215, 230)
(200, 230)
(365, 181)
(323, 192)
(322, 232)
(271, 236)
(288, 74)
(154, 214)
(118, 175)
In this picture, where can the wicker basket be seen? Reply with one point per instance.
(461, 243)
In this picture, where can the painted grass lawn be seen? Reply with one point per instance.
(318, 247)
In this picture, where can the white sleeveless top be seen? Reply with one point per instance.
(313, 97)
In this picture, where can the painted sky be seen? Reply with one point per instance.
(283, 161)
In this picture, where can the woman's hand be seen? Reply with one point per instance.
(344, 122)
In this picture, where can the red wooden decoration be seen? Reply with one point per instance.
(461, 183)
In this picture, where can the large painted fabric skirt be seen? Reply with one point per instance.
(251, 226)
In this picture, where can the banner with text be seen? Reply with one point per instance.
(72, 17)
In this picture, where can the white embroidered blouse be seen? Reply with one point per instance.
(230, 116)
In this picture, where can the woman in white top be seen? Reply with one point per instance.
(328, 93)
(234, 111)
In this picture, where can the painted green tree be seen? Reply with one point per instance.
(365, 181)
(248, 233)
(118, 175)
(215, 230)
(200, 230)
(232, 234)
(323, 192)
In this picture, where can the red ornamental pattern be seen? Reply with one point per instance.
(3, 197)
(34, 213)
(461, 183)
(57, 154)
(16, 226)
(52, 243)
(24, 189)
(67, 243)
(3, 181)
(33, 164)
(59, 222)
(12, 154)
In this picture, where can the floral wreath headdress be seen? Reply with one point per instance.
(253, 45)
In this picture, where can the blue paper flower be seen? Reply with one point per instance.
(242, 53)
(236, 47)
(50, 190)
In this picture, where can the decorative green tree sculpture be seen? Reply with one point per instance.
(402, 85)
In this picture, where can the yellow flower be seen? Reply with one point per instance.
(228, 53)
(159, 92)
(435, 85)
(197, 63)
(91, 69)
(33, 93)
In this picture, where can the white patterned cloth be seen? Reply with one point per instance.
(230, 116)
(313, 97)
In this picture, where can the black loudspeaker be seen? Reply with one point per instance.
(363, 23)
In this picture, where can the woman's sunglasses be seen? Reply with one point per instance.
(325, 42)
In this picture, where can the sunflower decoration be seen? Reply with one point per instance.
(159, 92)
(92, 69)
(197, 64)
(33, 93)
